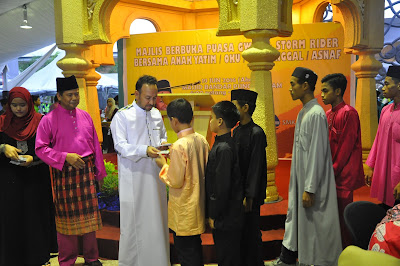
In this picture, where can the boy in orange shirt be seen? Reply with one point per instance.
(185, 177)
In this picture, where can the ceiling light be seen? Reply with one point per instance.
(25, 24)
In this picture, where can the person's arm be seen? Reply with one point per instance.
(174, 174)
(370, 163)
(346, 142)
(119, 130)
(100, 170)
(255, 173)
(163, 136)
(373, 152)
(55, 159)
(223, 176)
(315, 162)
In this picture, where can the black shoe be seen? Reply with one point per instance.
(93, 263)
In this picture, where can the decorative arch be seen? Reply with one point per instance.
(123, 14)
(359, 18)
(153, 21)
(353, 24)
(319, 12)
(97, 24)
(362, 21)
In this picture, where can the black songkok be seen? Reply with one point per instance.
(244, 95)
(306, 75)
(394, 72)
(163, 85)
(66, 84)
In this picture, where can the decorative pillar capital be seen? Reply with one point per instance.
(92, 77)
(261, 54)
(366, 66)
(239, 16)
(74, 63)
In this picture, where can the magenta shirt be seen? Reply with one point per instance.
(68, 131)
(384, 156)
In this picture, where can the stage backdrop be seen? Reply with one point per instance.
(184, 57)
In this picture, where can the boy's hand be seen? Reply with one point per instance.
(369, 172)
(308, 199)
(211, 223)
(160, 161)
(152, 152)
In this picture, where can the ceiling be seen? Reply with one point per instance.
(14, 41)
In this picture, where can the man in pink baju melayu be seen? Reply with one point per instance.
(67, 141)
(383, 173)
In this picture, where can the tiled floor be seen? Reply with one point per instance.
(80, 261)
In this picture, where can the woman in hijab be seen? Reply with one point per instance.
(111, 109)
(27, 227)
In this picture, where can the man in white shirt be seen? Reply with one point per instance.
(137, 130)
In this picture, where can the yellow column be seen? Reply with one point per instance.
(366, 68)
(79, 25)
(74, 63)
(261, 56)
(92, 79)
(260, 20)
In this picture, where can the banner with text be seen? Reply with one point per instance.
(216, 65)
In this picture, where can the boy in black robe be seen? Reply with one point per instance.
(252, 142)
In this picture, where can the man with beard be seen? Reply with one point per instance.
(138, 132)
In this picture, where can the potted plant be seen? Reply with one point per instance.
(108, 195)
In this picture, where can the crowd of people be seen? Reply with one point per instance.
(223, 187)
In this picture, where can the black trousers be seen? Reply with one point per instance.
(189, 249)
(251, 243)
(288, 256)
(227, 245)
